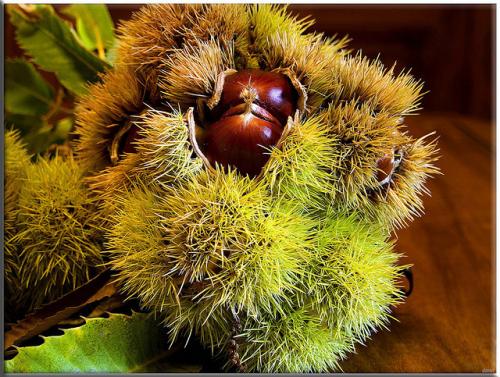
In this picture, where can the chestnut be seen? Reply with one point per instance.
(273, 92)
(386, 166)
(254, 107)
(239, 140)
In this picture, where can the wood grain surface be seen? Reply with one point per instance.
(448, 323)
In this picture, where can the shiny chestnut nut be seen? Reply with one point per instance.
(253, 109)
(273, 91)
(240, 140)
(386, 166)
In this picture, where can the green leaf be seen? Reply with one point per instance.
(120, 343)
(111, 53)
(62, 130)
(100, 288)
(94, 26)
(53, 46)
(26, 92)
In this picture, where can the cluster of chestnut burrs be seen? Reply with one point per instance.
(249, 175)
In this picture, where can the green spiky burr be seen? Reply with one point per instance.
(352, 281)
(296, 341)
(218, 240)
(57, 232)
(17, 161)
(297, 254)
(298, 169)
(164, 157)
(165, 148)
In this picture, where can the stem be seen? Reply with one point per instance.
(233, 345)
(56, 108)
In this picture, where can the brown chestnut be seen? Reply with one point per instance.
(273, 92)
(386, 166)
(249, 118)
(240, 141)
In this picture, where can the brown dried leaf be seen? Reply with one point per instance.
(100, 287)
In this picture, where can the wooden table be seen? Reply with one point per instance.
(447, 324)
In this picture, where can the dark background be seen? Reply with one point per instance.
(450, 47)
